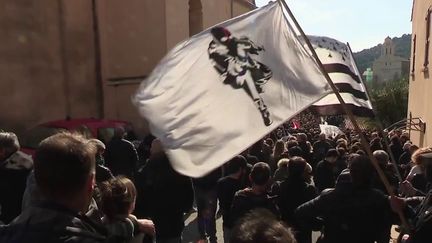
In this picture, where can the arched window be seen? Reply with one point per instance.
(195, 17)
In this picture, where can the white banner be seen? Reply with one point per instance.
(330, 131)
(217, 93)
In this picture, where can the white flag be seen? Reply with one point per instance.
(340, 65)
(330, 130)
(214, 95)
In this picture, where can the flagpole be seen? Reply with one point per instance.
(380, 126)
(363, 140)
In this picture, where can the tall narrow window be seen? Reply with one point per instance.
(195, 17)
(426, 59)
(413, 55)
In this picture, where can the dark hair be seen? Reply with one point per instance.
(295, 151)
(117, 196)
(236, 163)
(332, 153)
(63, 163)
(260, 173)
(296, 167)
(261, 226)
(361, 170)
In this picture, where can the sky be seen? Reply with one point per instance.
(363, 24)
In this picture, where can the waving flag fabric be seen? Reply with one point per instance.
(339, 64)
(220, 91)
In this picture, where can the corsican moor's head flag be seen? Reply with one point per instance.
(339, 63)
(214, 95)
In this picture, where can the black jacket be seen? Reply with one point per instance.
(422, 221)
(349, 215)
(291, 194)
(163, 195)
(246, 200)
(53, 223)
(324, 176)
(121, 157)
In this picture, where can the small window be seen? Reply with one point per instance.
(426, 59)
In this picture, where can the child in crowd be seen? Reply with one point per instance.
(118, 197)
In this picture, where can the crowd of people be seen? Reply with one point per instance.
(294, 181)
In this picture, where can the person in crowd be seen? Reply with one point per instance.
(64, 169)
(293, 192)
(102, 173)
(226, 189)
(384, 163)
(143, 149)
(278, 151)
(341, 162)
(320, 148)
(353, 211)
(282, 171)
(407, 167)
(416, 175)
(375, 144)
(118, 197)
(396, 147)
(14, 169)
(325, 176)
(205, 189)
(306, 147)
(164, 195)
(405, 157)
(255, 196)
(421, 222)
(261, 226)
(120, 155)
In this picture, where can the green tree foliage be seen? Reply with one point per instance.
(391, 101)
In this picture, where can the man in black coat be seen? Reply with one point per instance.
(325, 172)
(163, 195)
(352, 212)
(293, 192)
(226, 189)
(256, 196)
(120, 155)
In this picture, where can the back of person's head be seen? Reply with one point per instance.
(283, 163)
(413, 148)
(8, 144)
(322, 136)
(296, 167)
(382, 157)
(361, 169)
(279, 147)
(416, 155)
(332, 153)
(63, 165)
(395, 140)
(261, 226)
(260, 174)
(118, 197)
(119, 132)
(302, 137)
(100, 146)
(295, 151)
(292, 143)
(236, 164)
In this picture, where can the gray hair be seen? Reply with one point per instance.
(382, 156)
(9, 142)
